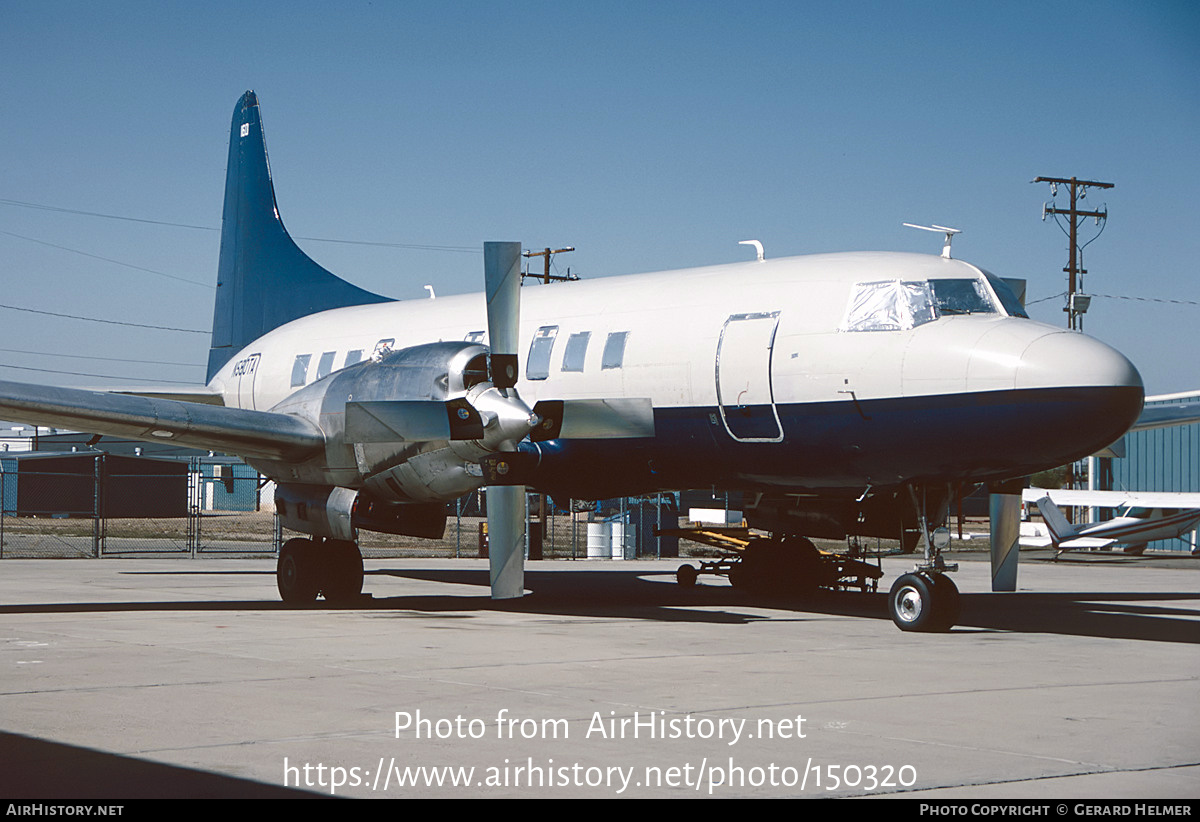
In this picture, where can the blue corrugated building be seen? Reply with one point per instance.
(1164, 459)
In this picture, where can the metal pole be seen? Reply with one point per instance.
(97, 506)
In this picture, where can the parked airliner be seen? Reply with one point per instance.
(845, 393)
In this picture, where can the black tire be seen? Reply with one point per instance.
(913, 604)
(342, 571)
(686, 576)
(947, 604)
(296, 572)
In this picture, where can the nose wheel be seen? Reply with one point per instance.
(926, 602)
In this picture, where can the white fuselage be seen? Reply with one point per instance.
(791, 344)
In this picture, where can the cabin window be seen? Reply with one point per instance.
(576, 351)
(475, 336)
(300, 370)
(891, 305)
(325, 364)
(614, 350)
(538, 365)
(353, 357)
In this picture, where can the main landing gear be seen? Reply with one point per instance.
(332, 568)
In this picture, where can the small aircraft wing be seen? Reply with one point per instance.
(1114, 499)
(1039, 537)
(231, 430)
(1164, 416)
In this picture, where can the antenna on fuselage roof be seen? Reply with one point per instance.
(757, 246)
(949, 232)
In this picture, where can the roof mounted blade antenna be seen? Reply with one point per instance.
(757, 245)
(949, 232)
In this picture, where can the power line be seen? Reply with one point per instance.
(108, 260)
(461, 249)
(84, 373)
(1147, 299)
(106, 359)
(98, 320)
(40, 207)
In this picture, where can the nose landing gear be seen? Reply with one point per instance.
(924, 601)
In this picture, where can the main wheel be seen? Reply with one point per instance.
(296, 572)
(917, 603)
(686, 576)
(342, 567)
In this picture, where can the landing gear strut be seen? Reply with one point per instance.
(330, 567)
(926, 599)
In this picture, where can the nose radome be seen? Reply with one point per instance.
(1069, 359)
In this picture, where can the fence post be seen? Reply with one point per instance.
(98, 505)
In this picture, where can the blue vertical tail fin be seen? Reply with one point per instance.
(263, 278)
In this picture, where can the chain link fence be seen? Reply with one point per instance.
(95, 504)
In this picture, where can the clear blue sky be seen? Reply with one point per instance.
(647, 135)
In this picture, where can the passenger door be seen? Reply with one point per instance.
(744, 392)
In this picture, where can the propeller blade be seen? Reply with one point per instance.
(593, 419)
(412, 421)
(506, 540)
(502, 281)
(506, 504)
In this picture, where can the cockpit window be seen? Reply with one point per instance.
(961, 297)
(897, 305)
(1012, 305)
(891, 305)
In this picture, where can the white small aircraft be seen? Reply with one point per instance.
(1145, 516)
(844, 393)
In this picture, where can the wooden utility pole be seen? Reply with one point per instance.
(1075, 307)
(547, 277)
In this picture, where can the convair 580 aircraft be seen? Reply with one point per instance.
(846, 393)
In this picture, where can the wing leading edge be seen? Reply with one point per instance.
(232, 430)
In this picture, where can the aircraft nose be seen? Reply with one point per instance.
(1067, 358)
(1095, 392)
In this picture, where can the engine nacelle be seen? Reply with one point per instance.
(319, 510)
(410, 427)
(325, 511)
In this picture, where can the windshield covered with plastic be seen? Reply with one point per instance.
(897, 305)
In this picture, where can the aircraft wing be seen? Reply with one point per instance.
(231, 430)
(1114, 499)
(1164, 416)
(183, 393)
